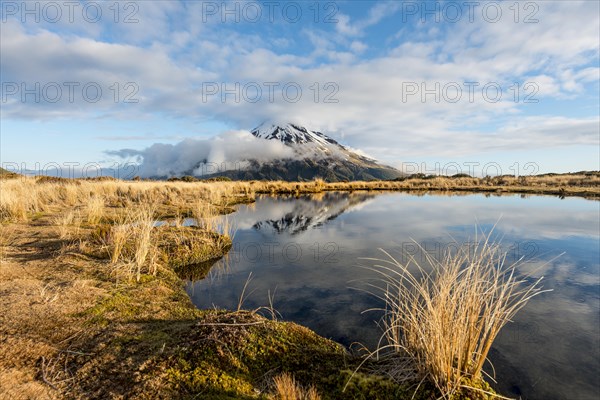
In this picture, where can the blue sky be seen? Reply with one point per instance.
(388, 76)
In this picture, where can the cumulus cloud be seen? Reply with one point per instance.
(229, 150)
(379, 11)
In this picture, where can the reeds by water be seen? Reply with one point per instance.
(445, 314)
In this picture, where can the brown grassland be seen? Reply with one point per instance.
(93, 306)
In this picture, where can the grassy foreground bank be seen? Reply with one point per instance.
(93, 306)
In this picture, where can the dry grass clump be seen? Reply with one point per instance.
(207, 217)
(118, 239)
(16, 200)
(94, 209)
(65, 222)
(181, 247)
(132, 249)
(224, 227)
(445, 317)
(129, 244)
(204, 213)
(286, 388)
(142, 230)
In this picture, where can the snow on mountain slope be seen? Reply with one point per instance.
(292, 134)
(306, 143)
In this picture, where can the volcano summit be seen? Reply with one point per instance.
(315, 155)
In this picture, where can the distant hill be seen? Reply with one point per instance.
(7, 174)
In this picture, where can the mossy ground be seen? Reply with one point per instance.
(177, 247)
(151, 329)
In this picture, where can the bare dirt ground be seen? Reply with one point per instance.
(42, 289)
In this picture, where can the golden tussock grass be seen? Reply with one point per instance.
(94, 209)
(130, 246)
(142, 229)
(65, 222)
(119, 235)
(444, 316)
(286, 388)
(204, 213)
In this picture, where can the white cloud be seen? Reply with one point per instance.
(358, 46)
(379, 11)
(223, 152)
(344, 27)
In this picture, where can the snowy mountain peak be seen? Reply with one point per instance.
(292, 134)
(314, 155)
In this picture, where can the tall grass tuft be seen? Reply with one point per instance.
(95, 209)
(286, 388)
(65, 223)
(204, 214)
(143, 244)
(224, 227)
(132, 250)
(118, 238)
(445, 317)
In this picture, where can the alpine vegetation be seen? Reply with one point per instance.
(443, 315)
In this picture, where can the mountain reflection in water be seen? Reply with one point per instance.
(308, 212)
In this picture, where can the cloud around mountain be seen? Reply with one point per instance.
(227, 151)
(271, 151)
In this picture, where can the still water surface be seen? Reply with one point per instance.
(306, 251)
